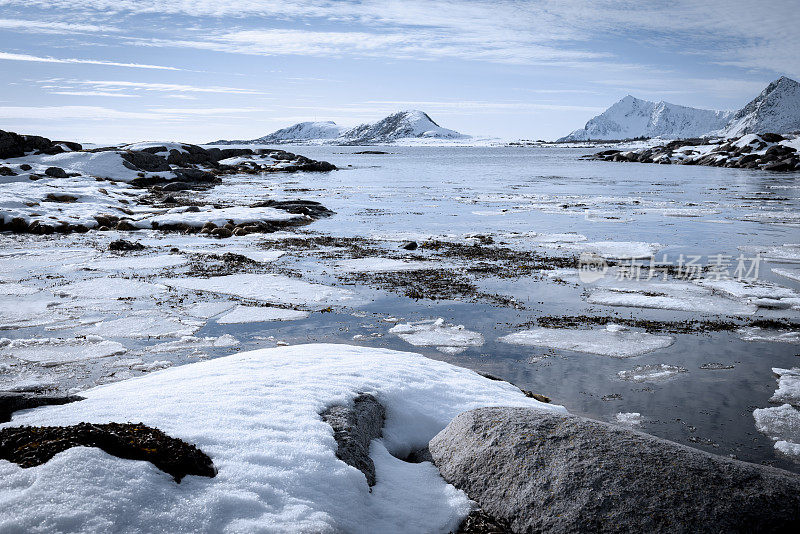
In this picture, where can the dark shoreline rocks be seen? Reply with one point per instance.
(29, 446)
(543, 472)
(765, 152)
(11, 402)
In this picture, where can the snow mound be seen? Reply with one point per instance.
(257, 415)
(613, 340)
(447, 338)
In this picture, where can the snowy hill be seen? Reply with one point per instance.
(305, 131)
(775, 110)
(632, 117)
(401, 125)
(411, 124)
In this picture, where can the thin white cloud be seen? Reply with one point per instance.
(164, 87)
(8, 56)
(42, 26)
(99, 113)
(94, 93)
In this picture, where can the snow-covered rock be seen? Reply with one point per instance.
(257, 415)
(304, 131)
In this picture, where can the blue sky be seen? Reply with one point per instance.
(115, 70)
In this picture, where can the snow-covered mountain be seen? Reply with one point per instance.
(632, 117)
(775, 110)
(411, 124)
(305, 131)
(400, 125)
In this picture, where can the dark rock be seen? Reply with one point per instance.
(146, 161)
(217, 154)
(240, 231)
(5, 171)
(123, 245)
(29, 446)
(176, 186)
(555, 473)
(11, 402)
(370, 152)
(409, 245)
(70, 145)
(772, 137)
(221, 232)
(779, 166)
(479, 522)
(126, 226)
(169, 200)
(25, 167)
(194, 175)
(56, 172)
(354, 427)
(301, 207)
(193, 155)
(55, 197)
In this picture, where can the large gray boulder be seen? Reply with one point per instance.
(542, 472)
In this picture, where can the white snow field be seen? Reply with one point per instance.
(256, 414)
(447, 338)
(613, 340)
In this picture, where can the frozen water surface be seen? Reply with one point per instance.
(460, 205)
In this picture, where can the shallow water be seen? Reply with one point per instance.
(423, 191)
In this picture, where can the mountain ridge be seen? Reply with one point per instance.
(404, 124)
(776, 109)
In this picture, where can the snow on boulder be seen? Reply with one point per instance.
(257, 416)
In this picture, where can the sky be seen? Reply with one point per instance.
(196, 71)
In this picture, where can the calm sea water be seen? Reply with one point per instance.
(689, 210)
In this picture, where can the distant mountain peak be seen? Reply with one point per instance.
(633, 117)
(410, 123)
(776, 109)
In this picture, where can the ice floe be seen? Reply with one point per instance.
(256, 414)
(615, 341)
(192, 342)
(49, 352)
(447, 338)
(781, 424)
(628, 418)
(755, 333)
(220, 216)
(380, 265)
(146, 324)
(259, 314)
(788, 391)
(110, 288)
(270, 288)
(651, 372)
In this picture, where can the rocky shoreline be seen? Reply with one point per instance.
(60, 187)
(768, 152)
